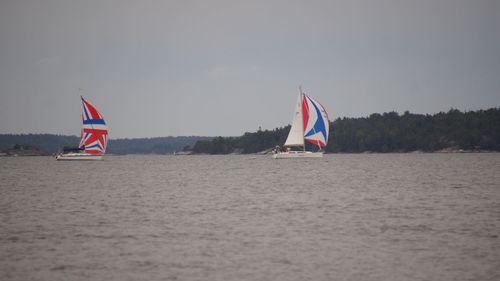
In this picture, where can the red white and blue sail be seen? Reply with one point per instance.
(94, 135)
(315, 122)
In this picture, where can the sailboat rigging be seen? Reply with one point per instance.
(93, 136)
(310, 123)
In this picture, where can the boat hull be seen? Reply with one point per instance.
(297, 154)
(78, 157)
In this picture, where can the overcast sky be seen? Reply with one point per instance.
(223, 67)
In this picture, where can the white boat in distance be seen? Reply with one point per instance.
(310, 123)
(93, 137)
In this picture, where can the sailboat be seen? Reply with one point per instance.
(93, 137)
(310, 123)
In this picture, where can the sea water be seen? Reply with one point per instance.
(249, 217)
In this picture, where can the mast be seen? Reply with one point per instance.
(301, 102)
(80, 90)
(81, 144)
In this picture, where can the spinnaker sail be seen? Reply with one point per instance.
(94, 134)
(315, 120)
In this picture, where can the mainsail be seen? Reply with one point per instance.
(296, 134)
(94, 135)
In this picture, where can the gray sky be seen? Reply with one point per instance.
(222, 67)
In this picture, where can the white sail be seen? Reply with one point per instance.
(296, 134)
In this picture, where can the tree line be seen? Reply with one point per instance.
(50, 143)
(387, 132)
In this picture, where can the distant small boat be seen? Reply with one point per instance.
(93, 137)
(310, 123)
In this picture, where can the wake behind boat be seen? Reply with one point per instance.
(310, 123)
(93, 137)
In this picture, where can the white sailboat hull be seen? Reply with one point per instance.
(78, 156)
(297, 154)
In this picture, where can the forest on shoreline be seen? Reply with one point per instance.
(388, 132)
(381, 133)
(43, 144)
